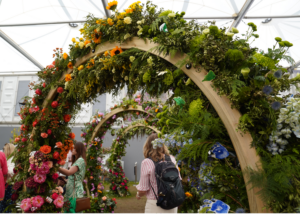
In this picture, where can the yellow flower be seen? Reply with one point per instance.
(115, 51)
(110, 21)
(135, 5)
(121, 15)
(112, 5)
(68, 77)
(65, 56)
(73, 40)
(80, 67)
(77, 42)
(81, 39)
(95, 143)
(106, 53)
(81, 45)
(189, 195)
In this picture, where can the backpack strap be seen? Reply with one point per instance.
(167, 158)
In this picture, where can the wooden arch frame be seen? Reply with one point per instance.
(111, 114)
(140, 125)
(230, 117)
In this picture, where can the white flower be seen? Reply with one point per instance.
(161, 73)
(131, 58)
(128, 20)
(88, 45)
(127, 35)
(171, 15)
(139, 22)
(66, 85)
(143, 21)
(81, 45)
(126, 78)
(139, 27)
(206, 31)
(113, 70)
(140, 32)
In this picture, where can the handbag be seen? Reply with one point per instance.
(82, 204)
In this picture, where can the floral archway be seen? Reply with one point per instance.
(93, 134)
(118, 184)
(240, 77)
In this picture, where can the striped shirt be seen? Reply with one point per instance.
(148, 176)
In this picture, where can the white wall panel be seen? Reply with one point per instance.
(8, 98)
(85, 113)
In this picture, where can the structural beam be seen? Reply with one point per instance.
(192, 17)
(241, 14)
(291, 68)
(107, 12)
(20, 49)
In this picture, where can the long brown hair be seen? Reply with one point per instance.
(81, 152)
(8, 149)
(155, 154)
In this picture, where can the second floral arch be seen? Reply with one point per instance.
(230, 117)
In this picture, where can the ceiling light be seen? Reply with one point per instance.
(267, 21)
(73, 25)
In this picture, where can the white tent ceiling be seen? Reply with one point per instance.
(40, 40)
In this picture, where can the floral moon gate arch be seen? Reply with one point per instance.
(247, 156)
(118, 184)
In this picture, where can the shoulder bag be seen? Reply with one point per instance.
(81, 203)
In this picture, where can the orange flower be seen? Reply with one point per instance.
(156, 110)
(61, 162)
(116, 51)
(87, 42)
(129, 10)
(65, 56)
(106, 53)
(58, 144)
(95, 143)
(179, 169)
(112, 5)
(110, 21)
(68, 77)
(96, 36)
(70, 65)
(72, 135)
(45, 149)
(91, 63)
(67, 117)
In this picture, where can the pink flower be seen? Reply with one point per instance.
(50, 164)
(37, 201)
(26, 204)
(39, 178)
(44, 169)
(54, 196)
(54, 176)
(126, 187)
(114, 188)
(44, 135)
(32, 166)
(122, 184)
(104, 198)
(60, 190)
(59, 202)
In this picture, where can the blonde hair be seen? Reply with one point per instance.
(155, 154)
(8, 149)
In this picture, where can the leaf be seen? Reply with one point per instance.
(296, 151)
(210, 76)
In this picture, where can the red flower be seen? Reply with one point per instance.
(126, 187)
(50, 66)
(60, 90)
(56, 155)
(116, 173)
(44, 85)
(53, 63)
(110, 170)
(54, 196)
(54, 176)
(24, 139)
(67, 118)
(54, 104)
(14, 197)
(114, 199)
(49, 132)
(125, 181)
(114, 188)
(33, 100)
(34, 123)
(122, 184)
(38, 91)
(44, 135)
(72, 135)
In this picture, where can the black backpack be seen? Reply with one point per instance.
(170, 191)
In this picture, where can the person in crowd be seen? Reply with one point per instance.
(3, 176)
(148, 179)
(8, 150)
(61, 182)
(77, 172)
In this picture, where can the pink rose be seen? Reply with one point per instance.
(37, 201)
(59, 202)
(44, 135)
(60, 190)
(39, 178)
(54, 176)
(104, 198)
(26, 204)
(122, 184)
(50, 164)
(44, 169)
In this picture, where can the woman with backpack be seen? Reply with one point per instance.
(160, 179)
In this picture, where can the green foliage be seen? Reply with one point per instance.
(234, 55)
(195, 108)
(168, 78)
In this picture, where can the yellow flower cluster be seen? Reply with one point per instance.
(110, 21)
(135, 5)
(121, 15)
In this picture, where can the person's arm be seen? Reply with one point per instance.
(68, 172)
(143, 186)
